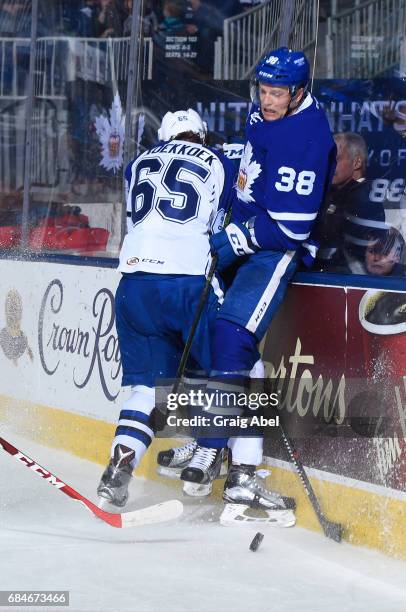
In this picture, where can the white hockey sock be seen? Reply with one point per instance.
(133, 428)
(247, 450)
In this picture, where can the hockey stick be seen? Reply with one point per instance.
(158, 513)
(199, 310)
(332, 530)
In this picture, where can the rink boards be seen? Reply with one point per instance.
(60, 385)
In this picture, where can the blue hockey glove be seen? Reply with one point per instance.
(235, 241)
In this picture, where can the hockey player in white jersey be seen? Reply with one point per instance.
(178, 193)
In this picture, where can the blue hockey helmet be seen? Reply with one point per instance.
(281, 67)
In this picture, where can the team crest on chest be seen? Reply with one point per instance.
(249, 172)
(242, 179)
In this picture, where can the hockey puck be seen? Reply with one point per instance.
(256, 541)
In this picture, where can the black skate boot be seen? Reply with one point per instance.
(116, 477)
(171, 462)
(204, 467)
(242, 487)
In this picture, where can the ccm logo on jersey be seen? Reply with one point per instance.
(133, 261)
(39, 470)
(153, 261)
(261, 312)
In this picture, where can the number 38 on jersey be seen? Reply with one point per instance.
(301, 182)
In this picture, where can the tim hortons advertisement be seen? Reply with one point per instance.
(58, 342)
(338, 360)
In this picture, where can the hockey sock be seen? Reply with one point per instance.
(134, 428)
(234, 349)
(246, 450)
(234, 355)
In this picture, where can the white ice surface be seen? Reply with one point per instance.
(48, 541)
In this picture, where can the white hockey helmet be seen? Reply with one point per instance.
(182, 121)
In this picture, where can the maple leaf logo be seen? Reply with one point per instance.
(249, 171)
(111, 135)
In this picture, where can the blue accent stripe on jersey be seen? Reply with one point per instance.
(133, 432)
(134, 415)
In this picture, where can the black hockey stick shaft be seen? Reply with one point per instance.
(195, 323)
(332, 530)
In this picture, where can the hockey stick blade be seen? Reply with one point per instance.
(334, 531)
(158, 513)
(331, 530)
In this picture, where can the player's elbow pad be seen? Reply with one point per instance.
(269, 236)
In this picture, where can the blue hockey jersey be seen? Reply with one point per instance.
(285, 172)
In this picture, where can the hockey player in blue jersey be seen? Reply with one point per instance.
(286, 168)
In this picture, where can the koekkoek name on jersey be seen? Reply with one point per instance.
(172, 195)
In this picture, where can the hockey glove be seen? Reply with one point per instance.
(235, 241)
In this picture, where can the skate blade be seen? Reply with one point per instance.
(175, 473)
(223, 470)
(236, 515)
(192, 489)
(103, 503)
(107, 498)
(168, 472)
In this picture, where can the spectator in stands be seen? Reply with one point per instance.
(149, 18)
(350, 211)
(87, 19)
(206, 22)
(69, 17)
(383, 253)
(128, 7)
(109, 19)
(173, 23)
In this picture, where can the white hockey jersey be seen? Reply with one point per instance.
(178, 194)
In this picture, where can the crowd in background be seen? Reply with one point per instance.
(200, 21)
(104, 18)
(355, 233)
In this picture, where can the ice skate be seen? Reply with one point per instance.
(242, 491)
(116, 477)
(171, 462)
(204, 466)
